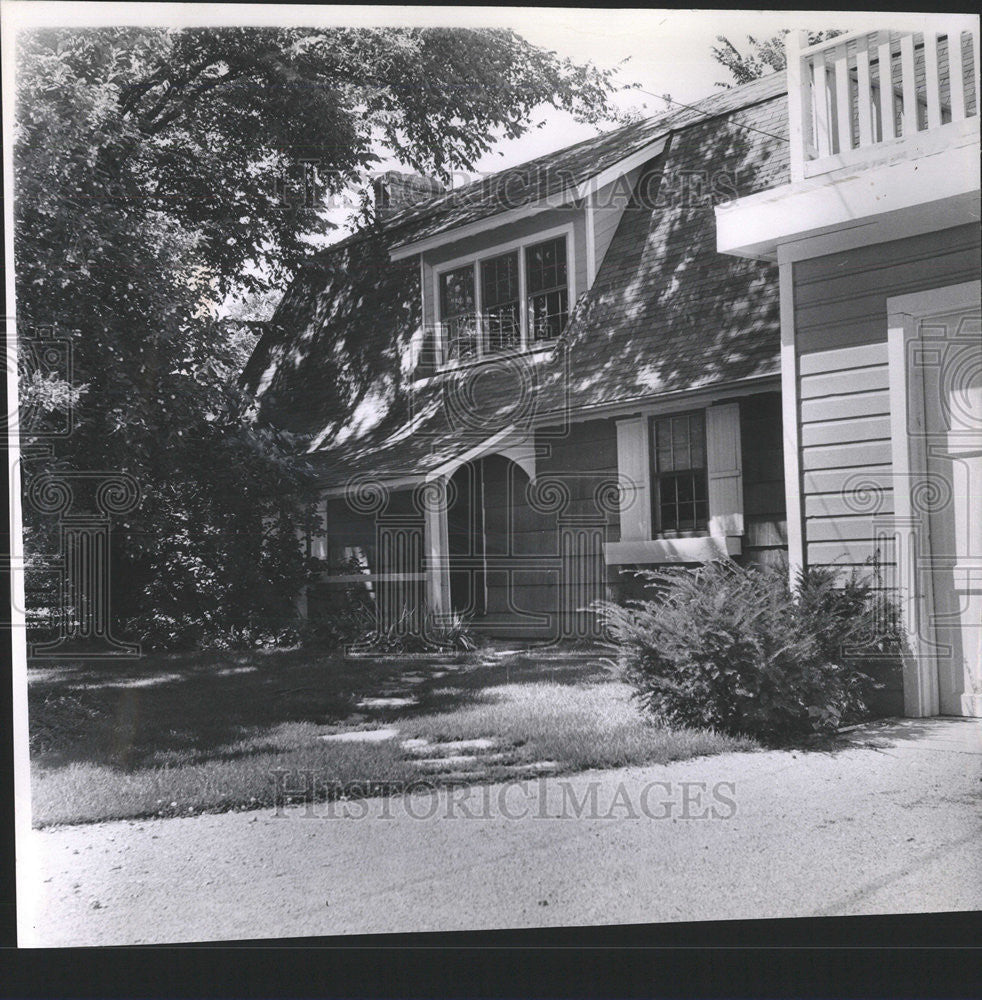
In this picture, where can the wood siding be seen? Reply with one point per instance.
(840, 314)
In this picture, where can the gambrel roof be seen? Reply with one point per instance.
(546, 177)
(666, 312)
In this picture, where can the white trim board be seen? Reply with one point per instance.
(671, 550)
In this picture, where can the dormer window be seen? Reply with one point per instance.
(458, 314)
(547, 291)
(501, 302)
(510, 298)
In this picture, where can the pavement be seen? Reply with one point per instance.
(891, 822)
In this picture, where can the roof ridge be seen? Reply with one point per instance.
(420, 209)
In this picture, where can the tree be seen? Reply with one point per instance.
(765, 55)
(155, 171)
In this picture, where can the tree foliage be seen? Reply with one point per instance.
(764, 55)
(156, 172)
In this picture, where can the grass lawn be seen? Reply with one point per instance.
(183, 734)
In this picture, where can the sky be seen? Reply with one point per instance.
(663, 51)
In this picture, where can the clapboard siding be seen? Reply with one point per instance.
(845, 359)
(854, 527)
(851, 553)
(844, 433)
(852, 429)
(840, 314)
(847, 479)
(840, 299)
(851, 455)
(838, 383)
(839, 505)
(871, 403)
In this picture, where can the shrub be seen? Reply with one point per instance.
(337, 616)
(733, 648)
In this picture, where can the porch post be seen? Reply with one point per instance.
(437, 548)
(791, 421)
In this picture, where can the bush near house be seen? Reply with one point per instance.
(736, 649)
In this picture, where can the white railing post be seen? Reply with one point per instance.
(932, 80)
(976, 68)
(885, 58)
(956, 76)
(798, 85)
(843, 98)
(908, 77)
(823, 135)
(864, 95)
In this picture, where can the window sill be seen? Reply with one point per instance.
(672, 550)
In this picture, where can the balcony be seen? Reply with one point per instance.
(883, 141)
(873, 96)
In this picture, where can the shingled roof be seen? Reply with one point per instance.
(666, 312)
(548, 176)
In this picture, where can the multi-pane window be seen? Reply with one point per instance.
(680, 498)
(500, 302)
(485, 310)
(457, 313)
(546, 281)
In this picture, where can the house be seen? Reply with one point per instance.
(619, 356)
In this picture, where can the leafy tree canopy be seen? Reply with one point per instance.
(156, 171)
(763, 56)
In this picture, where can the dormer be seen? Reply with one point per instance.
(504, 261)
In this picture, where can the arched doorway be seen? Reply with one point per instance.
(503, 563)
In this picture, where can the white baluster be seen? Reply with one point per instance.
(932, 82)
(798, 84)
(843, 102)
(823, 141)
(956, 75)
(887, 130)
(976, 68)
(908, 76)
(864, 96)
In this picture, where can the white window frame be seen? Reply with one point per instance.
(475, 260)
(722, 538)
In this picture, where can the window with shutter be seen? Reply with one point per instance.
(690, 464)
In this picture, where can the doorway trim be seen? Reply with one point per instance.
(905, 314)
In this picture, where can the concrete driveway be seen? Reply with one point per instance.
(889, 823)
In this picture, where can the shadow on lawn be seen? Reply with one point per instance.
(134, 713)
